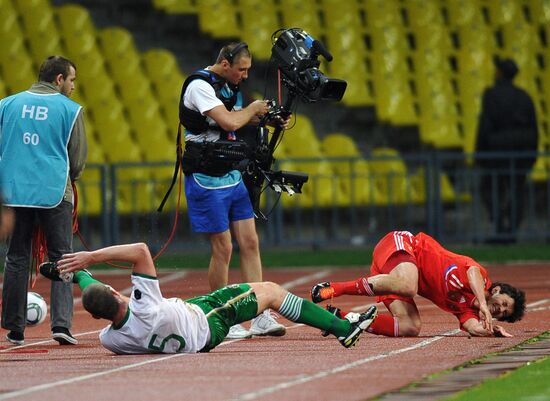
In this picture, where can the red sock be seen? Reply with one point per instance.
(357, 287)
(385, 325)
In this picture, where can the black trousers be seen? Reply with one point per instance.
(57, 226)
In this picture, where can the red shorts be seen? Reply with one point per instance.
(395, 248)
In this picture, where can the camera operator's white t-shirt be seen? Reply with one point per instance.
(200, 96)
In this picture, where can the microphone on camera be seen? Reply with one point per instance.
(321, 49)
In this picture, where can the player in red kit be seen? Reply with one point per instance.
(405, 265)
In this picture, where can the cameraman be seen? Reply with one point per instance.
(211, 110)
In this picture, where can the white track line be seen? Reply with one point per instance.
(76, 379)
(248, 396)
(324, 373)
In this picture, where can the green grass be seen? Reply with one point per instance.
(528, 383)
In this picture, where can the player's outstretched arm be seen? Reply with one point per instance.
(137, 254)
(476, 282)
(476, 328)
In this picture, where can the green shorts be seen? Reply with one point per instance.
(224, 308)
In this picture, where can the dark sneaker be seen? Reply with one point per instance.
(63, 336)
(321, 292)
(15, 337)
(336, 312)
(359, 323)
(50, 271)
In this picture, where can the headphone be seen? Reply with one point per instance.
(232, 53)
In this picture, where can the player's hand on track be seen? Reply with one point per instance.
(71, 262)
(499, 331)
(486, 318)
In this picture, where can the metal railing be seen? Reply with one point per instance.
(347, 201)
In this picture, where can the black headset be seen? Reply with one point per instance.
(232, 53)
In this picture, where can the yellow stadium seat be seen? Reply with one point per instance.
(390, 175)
(301, 14)
(17, 71)
(12, 42)
(134, 87)
(159, 63)
(44, 45)
(37, 15)
(259, 21)
(224, 24)
(116, 41)
(89, 192)
(354, 172)
(380, 13)
(423, 13)
(77, 29)
(446, 190)
(503, 11)
(74, 19)
(296, 138)
(176, 6)
(463, 12)
(539, 11)
(162, 69)
(338, 145)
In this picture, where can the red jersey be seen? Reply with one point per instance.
(442, 275)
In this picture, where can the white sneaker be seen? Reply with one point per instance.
(266, 325)
(237, 331)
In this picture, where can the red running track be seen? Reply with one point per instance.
(302, 365)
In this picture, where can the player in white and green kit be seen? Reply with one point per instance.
(146, 322)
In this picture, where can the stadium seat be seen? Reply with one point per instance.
(391, 177)
(225, 22)
(421, 14)
(37, 15)
(77, 30)
(446, 190)
(176, 6)
(302, 14)
(381, 13)
(259, 22)
(501, 12)
(74, 21)
(539, 11)
(301, 140)
(162, 69)
(351, 169)
(17, 71)
(463, 12)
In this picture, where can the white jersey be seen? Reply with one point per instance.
(156, 324)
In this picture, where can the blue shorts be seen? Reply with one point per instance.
(212, 209)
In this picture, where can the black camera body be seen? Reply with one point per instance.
(296, 54)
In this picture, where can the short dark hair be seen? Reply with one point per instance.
(53, 66)
(232, 52)
(519, 300)
(98, 300)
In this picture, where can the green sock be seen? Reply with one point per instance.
(84, 279)
(303, 311)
